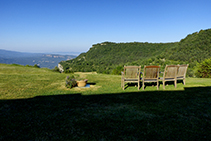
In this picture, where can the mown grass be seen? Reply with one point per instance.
(35, 105)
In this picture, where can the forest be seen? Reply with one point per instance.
(110, 57)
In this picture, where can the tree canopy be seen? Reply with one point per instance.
(108, 57)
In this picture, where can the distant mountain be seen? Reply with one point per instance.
(14, 54)
(41, 59)
(66, 53)
(108, 57)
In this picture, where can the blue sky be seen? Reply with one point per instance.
(75, 25)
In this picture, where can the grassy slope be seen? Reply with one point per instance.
(49, 111)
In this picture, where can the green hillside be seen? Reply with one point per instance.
(107, 57)
(194, 48)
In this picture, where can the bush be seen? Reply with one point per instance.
(70, 81)
(203, 69)
(68, 71)
(16, 65)
(36, 66)
(56, 69)
(190, 73)
(118, 70)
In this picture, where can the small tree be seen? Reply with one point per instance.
(36, 66)
(56, 69)
(117, 70)
(203, 69)
(68, 71)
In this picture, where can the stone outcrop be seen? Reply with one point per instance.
(60, 68)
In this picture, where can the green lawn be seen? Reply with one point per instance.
(35, 105)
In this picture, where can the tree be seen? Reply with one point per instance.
(118, 70)
(203, 69)
(56, 69)
(36, 66)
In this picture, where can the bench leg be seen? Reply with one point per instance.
(164, 85)
(123, 85)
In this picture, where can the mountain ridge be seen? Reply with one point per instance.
(41, 59)
(106, 57)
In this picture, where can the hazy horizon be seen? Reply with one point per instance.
(59, 53)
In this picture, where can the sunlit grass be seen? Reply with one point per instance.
(26, 82)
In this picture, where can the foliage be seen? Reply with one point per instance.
(118, 70)
(68, 71)
(203, 69)
(28, 65)
(193, 49)
(16, 65)
(107, 56)
(70, 81)
(56, 69)
(36, 66)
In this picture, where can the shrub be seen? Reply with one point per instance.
(203, 69)
(68, 71)
(16, 65)
(118, 70)
(36, 66)
(56, 69)
(70, 81)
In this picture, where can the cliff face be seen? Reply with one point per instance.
(60, 68)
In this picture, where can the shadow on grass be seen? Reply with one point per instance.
(91, 83)
(155, 115)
